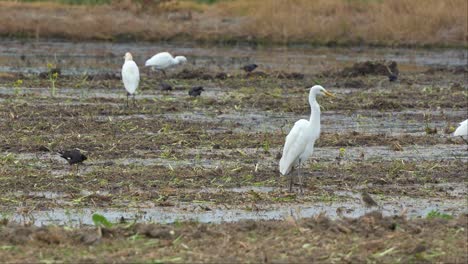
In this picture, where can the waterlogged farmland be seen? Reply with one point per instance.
(193, 176)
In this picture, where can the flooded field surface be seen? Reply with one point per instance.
(186, 178)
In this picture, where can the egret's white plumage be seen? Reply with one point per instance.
(130, 75)
(300, 141)
(462, 130)
(164, 60)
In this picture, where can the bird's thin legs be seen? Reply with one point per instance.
(77, 170)
(299, 177)
(164, 73)
(466, 141)
(291, 180)
(134, 102)
(127, 98)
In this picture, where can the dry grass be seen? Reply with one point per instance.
(372, 21)
(389, 22)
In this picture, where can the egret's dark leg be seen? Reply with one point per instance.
(134, 102)
(466, 141)
(291, 182)
(164, 73)
(127, 98)
(299, 177)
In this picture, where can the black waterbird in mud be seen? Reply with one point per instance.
(165, 86)
(392, 77)
(73, 156)
(250, 67)
(196, 91)
(368, 200)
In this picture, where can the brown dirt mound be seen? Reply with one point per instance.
(201, 74)
(370, 68)
(383, 104)
(194, 74)
(289, 75)
(455, 70)
(256, 74)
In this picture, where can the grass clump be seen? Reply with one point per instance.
(436, 214)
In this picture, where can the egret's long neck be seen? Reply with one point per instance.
(314, 113)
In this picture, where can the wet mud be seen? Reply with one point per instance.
(211, 162)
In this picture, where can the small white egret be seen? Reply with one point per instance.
(300, 141)
(164, 60)
(462, 130)
(130, 76)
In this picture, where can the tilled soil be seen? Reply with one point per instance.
(370, 238)
(173, 158)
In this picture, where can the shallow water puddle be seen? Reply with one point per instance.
(412, 207)
(93, 56)
(202, 157)
(349, 205)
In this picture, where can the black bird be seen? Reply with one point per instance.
(196, 91)
(165, 86)
(367, 199)
(249, 68)
(73, 156)
(392, 77)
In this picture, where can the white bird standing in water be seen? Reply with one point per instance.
(130, 76)
(300, 140)
(462, 130)
(164, 60)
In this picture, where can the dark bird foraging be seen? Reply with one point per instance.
(196, 91)
(73, 156)
(165, 86)
(250, 67)
(367, 199)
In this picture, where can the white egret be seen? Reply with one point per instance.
(300, 141)
(164, 60)
(462, 130)
(130, 76)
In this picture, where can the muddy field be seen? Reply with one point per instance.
(191, 179)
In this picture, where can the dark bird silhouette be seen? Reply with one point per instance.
(165, 86)
(73, 156)
(249, 67)
(367, 199)
(196, 91)
(392, 77)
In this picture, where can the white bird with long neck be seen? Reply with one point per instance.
(130, 76)
(462, 130)
(300, 141)
(164, 60)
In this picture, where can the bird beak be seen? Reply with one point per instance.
(327, 93)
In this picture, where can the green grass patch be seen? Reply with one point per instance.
(436, 214)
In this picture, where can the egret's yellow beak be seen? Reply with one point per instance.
(327, 93)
